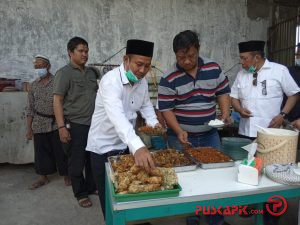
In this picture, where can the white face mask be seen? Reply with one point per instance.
(297, 62)
(41, 72)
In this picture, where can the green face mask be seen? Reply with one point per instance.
(251, 69)
(131, 77)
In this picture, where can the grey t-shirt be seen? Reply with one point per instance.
(79, 90)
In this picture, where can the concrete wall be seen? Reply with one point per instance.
(14, 148)
(40, 26)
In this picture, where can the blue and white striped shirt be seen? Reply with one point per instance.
(193, 100)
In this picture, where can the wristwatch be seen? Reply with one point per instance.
(283, 114)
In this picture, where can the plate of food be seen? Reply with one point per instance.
(209, 158)
(171, 158)
(216, 123)
(131, 182)
(152, 131)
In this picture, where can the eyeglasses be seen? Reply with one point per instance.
(254, 82)
(264, 87)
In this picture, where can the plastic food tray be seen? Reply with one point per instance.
(212, 165)
(216, 165)
(143, 195)
(146, 195)
(110, 160)
(183, 168)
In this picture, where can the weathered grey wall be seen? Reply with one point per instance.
(45, 26)
(14, 148)
(42, 26)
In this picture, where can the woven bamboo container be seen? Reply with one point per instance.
(278, 147)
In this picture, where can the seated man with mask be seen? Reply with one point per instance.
(122, 92)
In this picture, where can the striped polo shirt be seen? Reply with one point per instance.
(193, 100)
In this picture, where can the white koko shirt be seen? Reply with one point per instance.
(263, 100)
(113, 121)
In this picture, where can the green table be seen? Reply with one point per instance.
(213, 187)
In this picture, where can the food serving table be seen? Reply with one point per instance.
(212, 187)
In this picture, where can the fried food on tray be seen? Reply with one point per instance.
(170, 158)
(123, 184)
(142, 176)
(152, 187)
(137, 188)
(130, 178)
(123, 164)
(135, 169)
(127, 158)
(170, 178)
(152, 130)
(208, 155)
(155, 180)
(156, 172)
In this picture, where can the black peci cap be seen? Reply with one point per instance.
(251, 46)
(139, 47)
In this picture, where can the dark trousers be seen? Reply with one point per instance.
(79, 160)
(243, 136)
(49, 156)
(98, 168)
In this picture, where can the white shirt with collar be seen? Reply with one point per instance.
(113, 121)
(263, 100)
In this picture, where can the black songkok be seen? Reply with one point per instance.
(251, 46)
(139, 47)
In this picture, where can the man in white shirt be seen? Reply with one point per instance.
(257, 92)
(122, 92)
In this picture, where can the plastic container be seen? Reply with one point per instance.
(158, 142)
(146, 139)
(232, 146)
(146, 195)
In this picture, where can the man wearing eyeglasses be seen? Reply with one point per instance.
(257, 92)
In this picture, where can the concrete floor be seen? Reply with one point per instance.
(54, 203)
